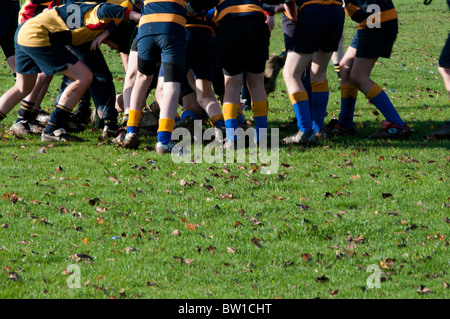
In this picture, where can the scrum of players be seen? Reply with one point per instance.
(206, 60)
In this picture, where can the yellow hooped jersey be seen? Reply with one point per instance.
(74, 23)
(163, 17)
(238, 8)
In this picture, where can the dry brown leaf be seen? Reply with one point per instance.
(306, 257)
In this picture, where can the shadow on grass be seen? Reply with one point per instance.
(415, 140)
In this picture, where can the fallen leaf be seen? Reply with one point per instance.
(322, 278)
(231, 250)
(100, 220)
(334, 292)
(190, 226)
(80, 257)
(306, 257)
(85, 240)
(256, 241)
(422, 290)
(176, 232)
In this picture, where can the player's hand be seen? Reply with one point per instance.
(99, 39)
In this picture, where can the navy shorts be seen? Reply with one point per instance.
(376, 42)
(50, 59)
(318, 27)
(200, 55)
(164, 48)
(444, 60)
(243, 44)
(9, 12)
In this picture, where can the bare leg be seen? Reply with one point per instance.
(255, 84)
(445, 72)
(23, 86)
(139, 92)
(169, 101)
(81, 78)
(360, 74)
(207, 98)
(294, 67)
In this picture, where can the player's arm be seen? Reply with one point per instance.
(95, 44)
(355, 12)
(108, 10)
(291, 9)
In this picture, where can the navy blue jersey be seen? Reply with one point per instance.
(359, 11)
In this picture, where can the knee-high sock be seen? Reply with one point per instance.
(260, 111)
(165, 130)
(349, 94)
(300, 104)
(26, 110)
(320, 94)
(134, 120)
(217, 120)
(58, 119)
(187, 112)
(230, 115)
(380, 99)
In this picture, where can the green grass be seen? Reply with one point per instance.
(393, 194)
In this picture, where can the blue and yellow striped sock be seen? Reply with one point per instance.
(300, 104)
(260, 111)
(320, 95)
(217, 120)
(230, 115)
(134, 121)
(165, 130)
(380, 99)
(189, 113)
(349, 94)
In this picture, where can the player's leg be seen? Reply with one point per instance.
(81, 78)
(319, 88)
(23, 86)
(294, 67)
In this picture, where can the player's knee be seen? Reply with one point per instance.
(356, 78)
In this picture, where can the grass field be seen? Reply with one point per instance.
(134, 224)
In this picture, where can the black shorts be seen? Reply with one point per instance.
(200, 55)
(444, 60)
(373, 43)
(243, 44)
(318, 27)
(9, 12)
(288, 26)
